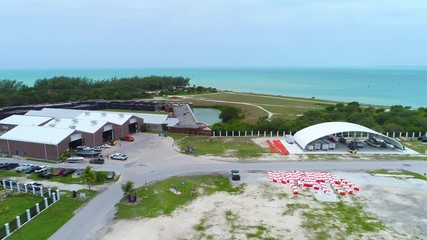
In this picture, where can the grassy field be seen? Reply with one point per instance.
(9, 173)
(399, 174)
(342, 218)
(13, 204)
(49, 221)
(416, 145)
(156, 199)
(240, 147)
(280, 106)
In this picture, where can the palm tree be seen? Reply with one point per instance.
(127, 189)
(89, 175)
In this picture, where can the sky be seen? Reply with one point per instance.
(211, 33)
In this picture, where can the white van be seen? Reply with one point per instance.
(75, 159)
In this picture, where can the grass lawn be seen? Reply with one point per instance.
(334, 220)
(240, 147)
(156, 199)
(13, 204)
(49, 221)
(397, 173)
(416, 145)
(9, 173)
(70, 179)
(281, 106)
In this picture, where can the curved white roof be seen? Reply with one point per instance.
(312, 133)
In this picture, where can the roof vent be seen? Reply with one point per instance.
(57, 119)
(104, 114)
(72, 126)
(121, 114)
(52, 125)
(87, 113)
(75, 120)
(94, 122)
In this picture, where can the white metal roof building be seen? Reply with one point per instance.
(25, 120)
(313, 133)
(83, 125)
(56, 112)
(112, 117)
(37, 134)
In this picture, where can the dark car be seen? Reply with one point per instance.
(424, 139)
(421, 137)
(45, 174)
(9, 181)
(31, 169)
(59, 172)
(235, 176)
(97, 161)
(68, 172)
(9, 166)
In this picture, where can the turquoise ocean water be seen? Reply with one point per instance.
(379, 86)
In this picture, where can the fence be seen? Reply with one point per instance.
(51, 198)
(283, 134)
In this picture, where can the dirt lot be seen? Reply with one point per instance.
(390, 209)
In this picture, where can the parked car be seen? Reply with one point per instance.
(59, 172)
(23, 167)
(98, 149)
(9, 166)
(235, 176)
(75, 159)
(35, 185)
(424, 139)
(78, 172)
(127, 138)
(45, 174)
(31, 169)
(43, 168)
(111, 175)
(67, 172)
(105, 146)
(119, 156)
(98, 160)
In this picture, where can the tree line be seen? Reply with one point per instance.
(395, 119)
(65, 89)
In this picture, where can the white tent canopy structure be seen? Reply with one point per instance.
(322, 130)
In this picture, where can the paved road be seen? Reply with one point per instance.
(152, 158)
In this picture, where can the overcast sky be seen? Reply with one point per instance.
(211, 33)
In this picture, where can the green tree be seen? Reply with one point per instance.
(229, 113)
(89, 175)
(128, 189)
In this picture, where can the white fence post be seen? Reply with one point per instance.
(17, 187)
(41, 191)
(26, 188)
(258, 133)
(265, 133)
(226, 133)
(34, 190)
(6, 226)
(46, 204)
(252, 133)
(239, 133)
(220, 133)
(38, 207)
(49, 192)
(4, 184)
(213, 133)
(57, 194)
(28, 215)
(406, 135)
(277, 134)
(246, 133)
(11, 185)
(18, 221)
